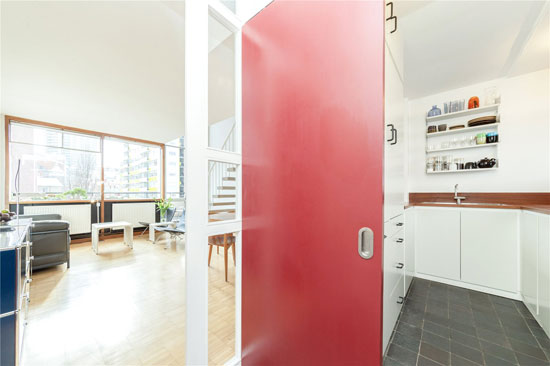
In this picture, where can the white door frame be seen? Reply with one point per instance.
(197, 157)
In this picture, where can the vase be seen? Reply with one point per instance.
(163, 217)
(434, 111)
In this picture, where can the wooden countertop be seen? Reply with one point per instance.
(544, 209)
(530, 201)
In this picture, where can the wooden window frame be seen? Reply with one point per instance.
(9, 119)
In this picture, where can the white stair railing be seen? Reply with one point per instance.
(218, 170)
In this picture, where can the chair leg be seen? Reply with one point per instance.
(217, 249)
(209, 255)
(234, 257)
(225, 255)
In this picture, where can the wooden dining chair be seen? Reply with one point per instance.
(226, 241)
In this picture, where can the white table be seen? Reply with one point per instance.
(153, 225)
(128, 233)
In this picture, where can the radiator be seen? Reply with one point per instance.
(134, 212)
(80, 216)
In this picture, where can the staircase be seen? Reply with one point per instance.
(222, 186)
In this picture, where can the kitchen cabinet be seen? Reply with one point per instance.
(489, 248)
(437, 242)
(409, 248)
(543, 272)
(528, 260)
(394, 199)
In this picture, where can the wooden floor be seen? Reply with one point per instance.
(123, 307)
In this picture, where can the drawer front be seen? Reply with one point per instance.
(393, 226)
(394, 256)
(392, 307)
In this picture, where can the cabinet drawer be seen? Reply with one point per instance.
(394, 254)
(392, 307)
(393, 226)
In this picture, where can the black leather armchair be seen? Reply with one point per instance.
(50, 241)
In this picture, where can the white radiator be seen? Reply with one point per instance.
(80, 216)
(134, 212)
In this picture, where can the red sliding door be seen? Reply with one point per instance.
(313, 94)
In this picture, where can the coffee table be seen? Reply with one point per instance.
(128, 233)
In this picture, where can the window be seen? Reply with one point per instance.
(132, 170)
(174, 168)
(53, 164)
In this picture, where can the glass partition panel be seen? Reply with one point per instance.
(222, 194)
(221, 86)
(221, 297)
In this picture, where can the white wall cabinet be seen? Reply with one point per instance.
(528, 260)
(489, 248)
(437, 242)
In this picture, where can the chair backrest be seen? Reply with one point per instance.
(170, 213)
(181, 222)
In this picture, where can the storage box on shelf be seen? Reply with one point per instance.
(472, 144)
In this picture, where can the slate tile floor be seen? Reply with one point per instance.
(448, 325)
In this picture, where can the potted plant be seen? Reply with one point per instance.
(163, 206)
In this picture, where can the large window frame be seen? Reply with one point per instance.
(12, 119)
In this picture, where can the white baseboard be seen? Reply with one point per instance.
(469, 286)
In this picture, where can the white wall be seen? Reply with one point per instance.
(114, 67)
(524, 155)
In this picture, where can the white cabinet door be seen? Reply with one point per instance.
(438, 242)
(392, 307)
(544, 271)
(394, 166)
(409, 248)
(528, 260)
(489, 248)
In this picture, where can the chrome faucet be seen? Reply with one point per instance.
(456, 197)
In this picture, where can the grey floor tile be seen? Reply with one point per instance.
(405, 341)
(525, 360)
(465, 339)
(403, 355)
(477, 329)
(435, 353)
(459, 361)
(528, 350)
(423, 361)
(437, 329)
(466, 352)
(435, 340)
(498, 351)
(409, 329)
(493, 337)
(391, 362)
(491, 360)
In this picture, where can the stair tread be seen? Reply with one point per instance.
(224, 196)
(227, 188)
(229, 178)
(223, 203)
(221, 210)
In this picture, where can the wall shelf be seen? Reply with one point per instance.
(463, 147)
(464, 171)
(466, 112)
(465, 129)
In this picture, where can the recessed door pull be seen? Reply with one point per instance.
(365, 243)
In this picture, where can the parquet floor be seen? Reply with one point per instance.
(123, 307)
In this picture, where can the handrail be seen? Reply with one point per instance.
(215, 172)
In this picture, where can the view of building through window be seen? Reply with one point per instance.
(174, 168)
(131, 170)
(54, 164)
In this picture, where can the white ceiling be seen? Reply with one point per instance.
(451, 44)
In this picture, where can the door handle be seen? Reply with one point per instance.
(400, 240)
(392, 132)
(400, 300)
(399, 265)
(365, 243)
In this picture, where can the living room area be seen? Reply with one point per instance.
(93, 152)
